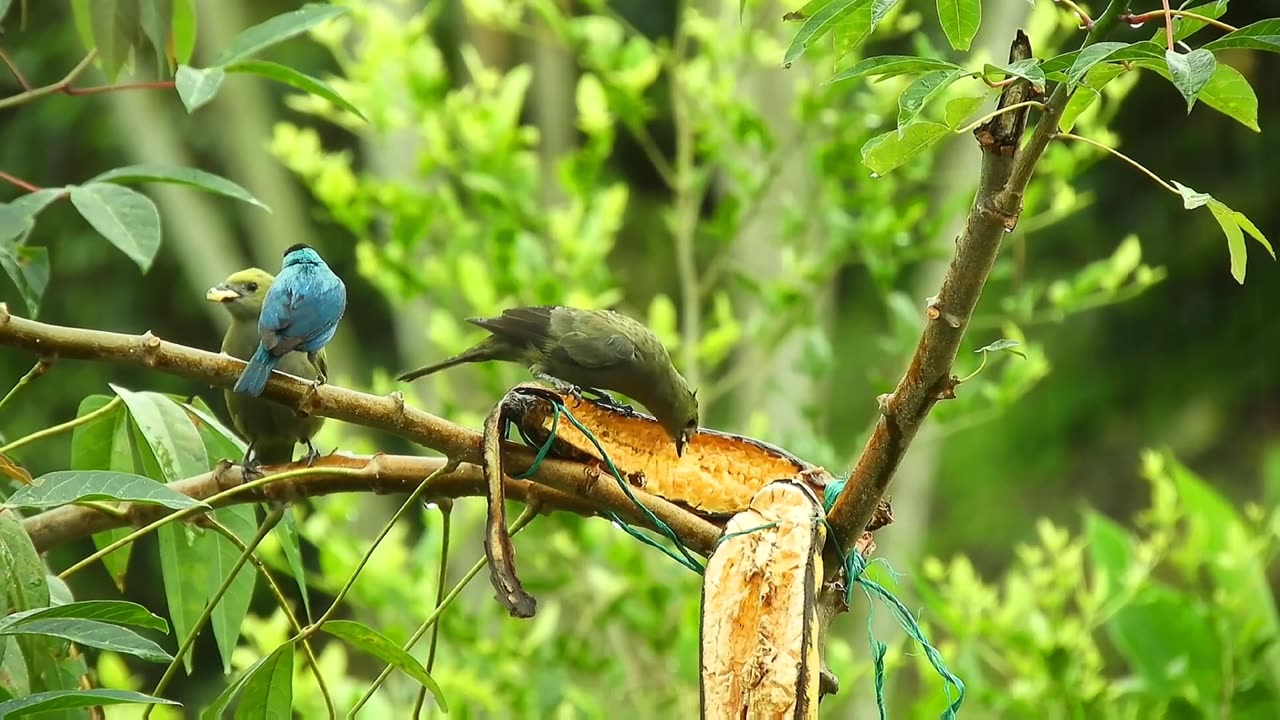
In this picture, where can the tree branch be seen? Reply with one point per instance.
(1003, 178)
(579, 485)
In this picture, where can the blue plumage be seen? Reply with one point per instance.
(300, 313)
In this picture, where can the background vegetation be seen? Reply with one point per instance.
(1088, 531)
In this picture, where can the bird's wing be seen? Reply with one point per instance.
(528, 327)
(597, 351)
(300, 310)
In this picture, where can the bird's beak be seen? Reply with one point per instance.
(221, 294)
(681, 442)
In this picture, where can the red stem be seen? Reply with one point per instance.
(1168, 22)
(19, 182)
(97, 89)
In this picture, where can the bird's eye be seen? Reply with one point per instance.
(251, 287)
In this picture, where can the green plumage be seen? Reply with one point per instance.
(271, 429)
(590, 349)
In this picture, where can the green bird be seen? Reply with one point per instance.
(593, 350)
(271, 429)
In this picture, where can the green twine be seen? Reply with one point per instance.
(855, 566)
(684, 557)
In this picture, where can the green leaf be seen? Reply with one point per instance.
(1141, 631)
(1227, 91)
(1088, 93)
(67, 486)
(1233, 223)
(117, 31)
(18, 217)
(14, 680)
(229, 616)
(1002, 345)
(268, 689)
(1090, 56)
(12, 223)
(1110, 551)
(70, 699)
(190, 177)
(858, 25)
(89, 632)
(25, 588)
(818, 22)
(126, 218)
(4, 7)
(219, 706)
(887, 151)
(960, 20)
(922, 90)
(1190, 72)
(1028, 70)
(28, 268)
(112, 612)
(276, 30)
(184, 30)
(1192, 198)
(105, 444)
(293, 78)
(157, 23)
(959, 110)
(888, 66)
(374, 643)
(1262, 35)
(291, 545)
(197, 87)
(1235, 240)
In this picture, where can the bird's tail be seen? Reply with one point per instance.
(484, 350)
(254, 377)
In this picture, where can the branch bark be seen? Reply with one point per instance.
(1004, 175)
(574, 480)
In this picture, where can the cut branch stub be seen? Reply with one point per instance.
(1003, 132)
(497, 539)
(760, 628)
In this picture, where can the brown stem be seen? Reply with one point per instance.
(1154, 14)
(19, 182)
(1004, 175)
(98, 89)
(1168, 22)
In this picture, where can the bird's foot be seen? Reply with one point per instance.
(312, 453)
(606, 399)
(251, 469)
(559, 385)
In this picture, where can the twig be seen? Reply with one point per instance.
(997, 113)
(1004, 175)
(13, 68)
(1168, 23)
(36, 93)
(283, 602)
(40, 368)
(409, 502)
(1086, 22)
(62, 427)
(267, 524)
(388, 413)
(1149, 16)
(1139, 166)
(98, 89)
(19, 182)
(521, 521)
(446, 517)
(688, 203)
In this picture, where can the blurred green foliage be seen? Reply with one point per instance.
(649, 156)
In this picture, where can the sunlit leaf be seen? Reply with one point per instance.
(294, 79)
(276, 30)
(374, 643)
(196, 86)
(1028, 70)
(960, 20)
(959, 110)
(1227, 91)
(183, 33)
(126, 218)
(1003, 345)
(70, 699)
(105, 444)
(229, 615)
(1192, 198)
(191, 177)
(1090, 56)
(1190, 72)
(117, 30)
(1089, 92)
(887, 151)
(25, 588)
(1185, 27)
(291, 545)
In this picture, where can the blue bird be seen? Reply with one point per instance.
(300, 312)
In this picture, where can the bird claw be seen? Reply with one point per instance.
(312, 453)
(605, 399)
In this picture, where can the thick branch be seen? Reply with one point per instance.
(387, 413)
(1003, 178)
